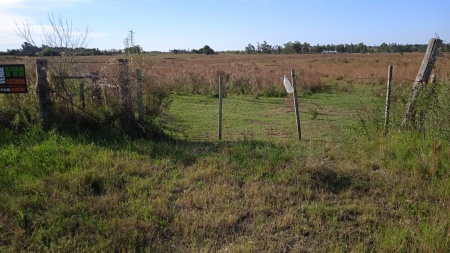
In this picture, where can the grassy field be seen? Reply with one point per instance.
(266, 118)
(345, 187)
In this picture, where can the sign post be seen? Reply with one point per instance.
(388, 100)
(297, 116)
(12, 79)
(293, 89)
(220, 106)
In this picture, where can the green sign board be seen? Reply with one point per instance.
(12, 79)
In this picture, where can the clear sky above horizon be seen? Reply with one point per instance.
(163, 25)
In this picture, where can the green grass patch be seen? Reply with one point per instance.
(267, 118)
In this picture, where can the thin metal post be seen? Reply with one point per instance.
(299, 130)
(220, 107)
(139, 95)
(388, 100)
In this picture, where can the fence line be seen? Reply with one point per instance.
(72, 62)
(45, 92)
(379, 78)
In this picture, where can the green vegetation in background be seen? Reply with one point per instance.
(296, 47)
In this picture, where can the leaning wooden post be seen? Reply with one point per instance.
(127, 102)
(388, 100)
(422, 78)
(220, 106)
(43, 91)
(139, 95)
(297, 116)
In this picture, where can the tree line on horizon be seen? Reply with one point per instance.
(28, 49)
(296, 47)
(306, 48)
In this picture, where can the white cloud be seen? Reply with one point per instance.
(11, 17)
(31, 4)
(8, 28)
(12, 4)
(14, 12)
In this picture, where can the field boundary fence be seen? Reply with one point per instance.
(86, 88)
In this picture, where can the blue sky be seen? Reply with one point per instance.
(162, 25)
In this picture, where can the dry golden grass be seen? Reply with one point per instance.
(198, 73)
(253, 74)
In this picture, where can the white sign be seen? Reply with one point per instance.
(2, 75)
(287, 85)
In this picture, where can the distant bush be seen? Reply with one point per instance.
(49, 52)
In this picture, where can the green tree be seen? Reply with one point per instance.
(250, 49)
(48, 51)
(340, 48)
(277, 49)
(130, 47)
(289, 48)
(297, 47)
(207, 50)
(384, 47)
(29, 49)
(133, 50)
(265, 48)
(361, 48)
(305, 48)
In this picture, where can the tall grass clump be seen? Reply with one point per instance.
(411, 168)
(432, 110)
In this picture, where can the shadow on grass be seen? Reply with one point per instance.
(148, 139)
(245, 159)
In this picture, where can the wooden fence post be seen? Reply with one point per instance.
(388, 100)
(220, 106)
(139, 95)
(82, 95)
(127, 102)
(96, 90)
(43, 91)
(422, 78)
(297, 116)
